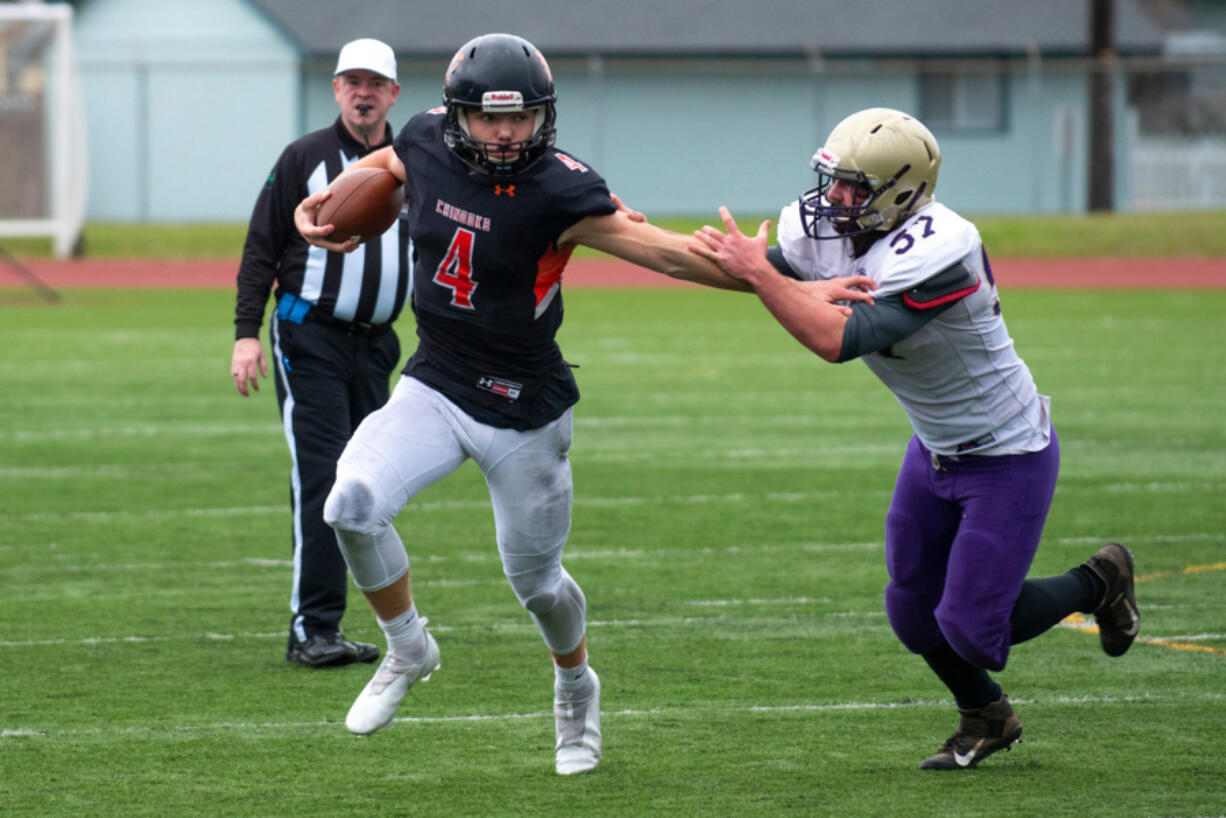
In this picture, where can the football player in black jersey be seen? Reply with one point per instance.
(494, 212)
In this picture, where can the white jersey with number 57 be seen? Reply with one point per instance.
(962, 384)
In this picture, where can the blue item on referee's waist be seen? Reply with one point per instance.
(292, 308)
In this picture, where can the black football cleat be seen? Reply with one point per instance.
(329, 650)
(1119, 620)
(980, 733)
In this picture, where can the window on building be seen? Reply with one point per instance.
(963, 102)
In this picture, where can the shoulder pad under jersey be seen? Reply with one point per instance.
(930, 241)
(954, 282)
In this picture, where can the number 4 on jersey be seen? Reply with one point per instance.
(455, 271)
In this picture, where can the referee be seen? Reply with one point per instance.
(331, 336)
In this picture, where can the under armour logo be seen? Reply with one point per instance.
(509, 190)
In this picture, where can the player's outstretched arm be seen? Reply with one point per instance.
(805, 309)
(636, 241)
(304, 213)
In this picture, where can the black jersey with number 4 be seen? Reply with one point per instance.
(487, 279)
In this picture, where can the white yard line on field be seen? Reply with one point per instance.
(654, 622)
(677, 712)
(438, 505)
(481, 504)
(574, 552)
(150, 430)
(634, 422)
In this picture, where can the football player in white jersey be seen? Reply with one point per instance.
(978, 475)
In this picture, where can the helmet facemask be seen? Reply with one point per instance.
(847, 220)
(500, 158)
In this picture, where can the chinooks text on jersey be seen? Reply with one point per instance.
(462, 216)
(487, 279)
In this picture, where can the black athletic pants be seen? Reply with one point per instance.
(328, 378)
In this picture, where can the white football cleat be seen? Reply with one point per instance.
(577, 721)
(375, 706)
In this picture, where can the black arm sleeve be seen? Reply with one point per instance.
(267, 233)
(775, 256)
(874, 327)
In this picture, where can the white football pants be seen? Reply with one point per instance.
(420, 437)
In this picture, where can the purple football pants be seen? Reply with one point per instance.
(959, 538)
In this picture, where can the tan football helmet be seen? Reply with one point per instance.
(890, 154)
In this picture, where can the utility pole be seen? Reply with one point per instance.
(1101, 181)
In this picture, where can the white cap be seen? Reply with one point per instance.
(369, 55)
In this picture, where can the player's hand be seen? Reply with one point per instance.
(841, 288)
(632, 215)
(740, 256)
(248, 359)
(317, 234)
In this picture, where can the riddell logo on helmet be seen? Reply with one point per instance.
(824, 159)
(502, 100)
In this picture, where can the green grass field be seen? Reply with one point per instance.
(730, 492)
(1188, 235)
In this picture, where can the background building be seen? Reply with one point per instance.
(682, 106)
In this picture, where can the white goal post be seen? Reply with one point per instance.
(43, 148)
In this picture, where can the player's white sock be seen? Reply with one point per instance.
(406, 635)
(570, 679)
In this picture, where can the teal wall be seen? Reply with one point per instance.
(185, 101)
(1208, 14)
(190, 103)
(684, 138)
(743, 137)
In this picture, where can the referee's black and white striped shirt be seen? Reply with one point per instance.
(369, 285)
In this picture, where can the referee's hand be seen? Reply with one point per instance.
(247, 361)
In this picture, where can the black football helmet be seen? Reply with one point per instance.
(496, 73)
